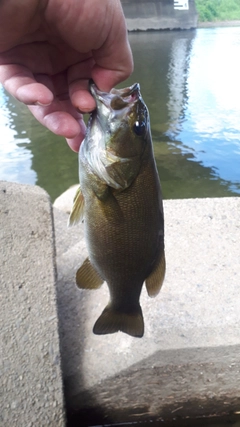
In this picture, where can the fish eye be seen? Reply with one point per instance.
(139, 128)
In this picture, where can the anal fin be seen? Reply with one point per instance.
(155, 279)
(87, 277)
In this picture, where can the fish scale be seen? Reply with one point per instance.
(120, 200)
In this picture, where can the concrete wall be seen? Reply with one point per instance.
(30, 379)
(158, 15)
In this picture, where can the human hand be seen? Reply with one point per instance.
(49, 49)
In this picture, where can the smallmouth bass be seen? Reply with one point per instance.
(121, 203)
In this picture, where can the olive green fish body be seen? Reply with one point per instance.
(123, 220)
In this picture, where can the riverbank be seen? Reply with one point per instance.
(212, 24)
(152, 24)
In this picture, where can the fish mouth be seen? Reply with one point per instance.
(116, 99)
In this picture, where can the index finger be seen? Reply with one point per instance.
(113, 60)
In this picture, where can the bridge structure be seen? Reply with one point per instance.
(145, 15)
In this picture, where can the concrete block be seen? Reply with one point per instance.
(30, 380)
(158, 15)
(187, 363)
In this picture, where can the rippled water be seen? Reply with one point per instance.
(190, 82)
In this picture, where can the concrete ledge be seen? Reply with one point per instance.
(31, 383)
(157, 23)
(187, 363)
(145, 15)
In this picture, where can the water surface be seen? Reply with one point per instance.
(190, 82)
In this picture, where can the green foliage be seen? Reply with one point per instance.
(218, 10)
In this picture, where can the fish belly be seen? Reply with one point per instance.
(125, 237)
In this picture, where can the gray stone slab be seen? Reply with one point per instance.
(158, 15)
(187, 363)
(30, 380)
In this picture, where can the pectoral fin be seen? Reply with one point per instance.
(77, 211)
(155, 280)
(87, 277)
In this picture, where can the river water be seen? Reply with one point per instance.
(190, 82)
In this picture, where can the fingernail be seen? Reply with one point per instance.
(41, 105)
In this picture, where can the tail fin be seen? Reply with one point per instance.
(112, 321)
